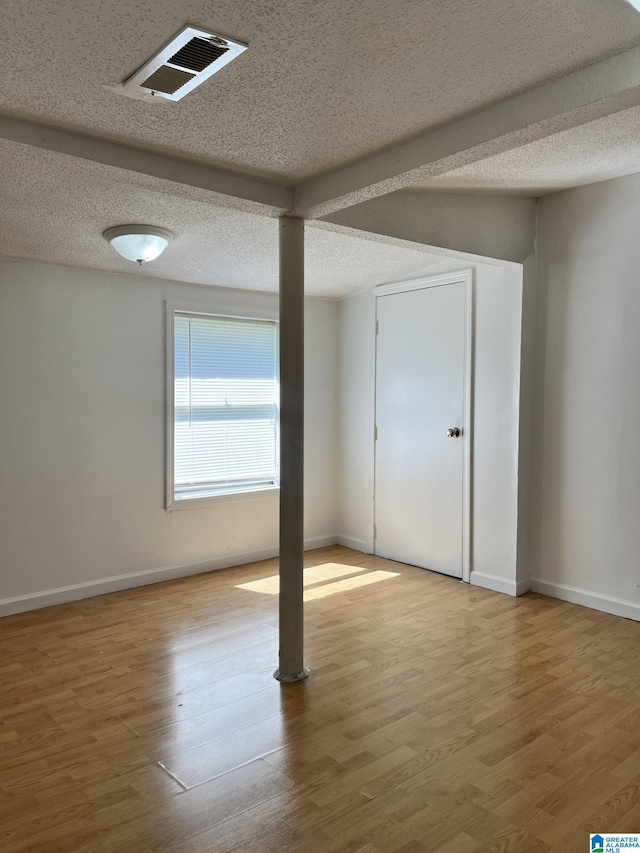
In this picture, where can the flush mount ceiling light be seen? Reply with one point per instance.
(635, 4)
(139, 243)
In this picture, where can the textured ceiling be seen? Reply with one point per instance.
(322, 84)
(603, 149)
(54, 208)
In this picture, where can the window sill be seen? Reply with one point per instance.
(189, 503)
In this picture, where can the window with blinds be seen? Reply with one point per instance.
(225, 430)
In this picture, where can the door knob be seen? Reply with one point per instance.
(453, 433)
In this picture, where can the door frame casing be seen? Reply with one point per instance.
(461, 277)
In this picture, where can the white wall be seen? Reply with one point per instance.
(527, 419)
(496, 421)
(498, 303)
(320, 418)
(586, 514)
(82, 437)
(355, 442)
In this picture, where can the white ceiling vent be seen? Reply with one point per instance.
(187, 61)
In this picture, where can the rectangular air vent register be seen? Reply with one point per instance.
(187, 61)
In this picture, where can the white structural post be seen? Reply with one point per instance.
(291, 664)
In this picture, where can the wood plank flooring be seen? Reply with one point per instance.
(438, 717)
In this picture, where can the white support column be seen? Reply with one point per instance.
(291, 664)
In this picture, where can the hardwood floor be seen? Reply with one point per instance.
(438, 717)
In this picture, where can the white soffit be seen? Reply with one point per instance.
(322, 83)
(54, 208)
(606, 148)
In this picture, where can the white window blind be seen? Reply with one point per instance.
(225, 406)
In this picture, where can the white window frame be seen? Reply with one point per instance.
(222, 310)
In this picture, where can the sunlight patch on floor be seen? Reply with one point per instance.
(320, 575)
(347, 584)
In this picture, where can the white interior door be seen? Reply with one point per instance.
(421, 394)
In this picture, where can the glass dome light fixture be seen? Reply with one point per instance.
(139, 243)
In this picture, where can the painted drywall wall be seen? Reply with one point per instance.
(586, 451)
(496, 400)
(82, 421)
(497, 330)
(355, 442)
(320, 417)
(527, 419)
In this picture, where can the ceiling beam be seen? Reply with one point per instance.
(502, 227)
(225, 188)
(607, 87)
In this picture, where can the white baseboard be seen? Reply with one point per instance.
(586, 598)
(523, 586)
(498, 584)
(354, 544)
(63, 594)
(320, 542)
